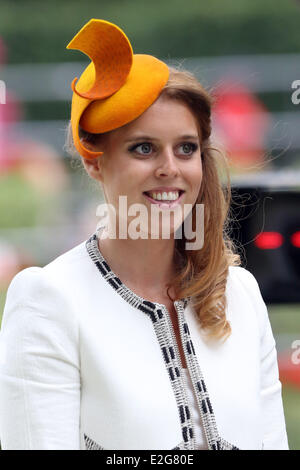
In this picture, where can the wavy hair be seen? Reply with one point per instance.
(200, 274)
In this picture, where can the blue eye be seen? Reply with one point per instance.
(144, 148)
(188, 148)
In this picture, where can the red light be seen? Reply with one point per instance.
(269, 240)
(295, 239)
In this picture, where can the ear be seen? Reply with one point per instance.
(93, 166)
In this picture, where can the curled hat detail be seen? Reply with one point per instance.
(116, 87)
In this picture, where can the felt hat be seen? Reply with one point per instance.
(116, 87)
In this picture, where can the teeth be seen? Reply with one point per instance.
(171, 196)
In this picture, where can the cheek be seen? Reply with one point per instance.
(124, 173)
(196, 176)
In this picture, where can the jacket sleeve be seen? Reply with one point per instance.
(39, 366)
(273, 420)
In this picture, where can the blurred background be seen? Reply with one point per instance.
(246, 52)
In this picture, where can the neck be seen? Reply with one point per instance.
(145, 264)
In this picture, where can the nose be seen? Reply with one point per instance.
(167, 164)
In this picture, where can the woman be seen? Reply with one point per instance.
(134, 340)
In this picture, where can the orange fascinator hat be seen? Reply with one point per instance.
(116, 87)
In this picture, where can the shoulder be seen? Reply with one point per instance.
(60, 271)
(40, 327)
(241, 278)
(74, 263)
(244, 296)
(238, 272)
(49, 287)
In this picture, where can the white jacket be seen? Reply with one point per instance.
(87, 364)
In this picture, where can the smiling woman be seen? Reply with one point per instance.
(150, 150)
(129, 342)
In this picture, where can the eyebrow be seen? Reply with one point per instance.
(148, 137)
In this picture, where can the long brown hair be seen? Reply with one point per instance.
(202, 274)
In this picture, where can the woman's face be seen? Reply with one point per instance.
(157, 153)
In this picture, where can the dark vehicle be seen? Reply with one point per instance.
(266, 226)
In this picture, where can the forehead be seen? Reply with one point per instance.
(164, 117)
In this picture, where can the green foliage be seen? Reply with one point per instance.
(46, 110)
(166, 28)
(19, 202)
(285, 319)
(291, 402)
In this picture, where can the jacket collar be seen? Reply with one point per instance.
(163, 328)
